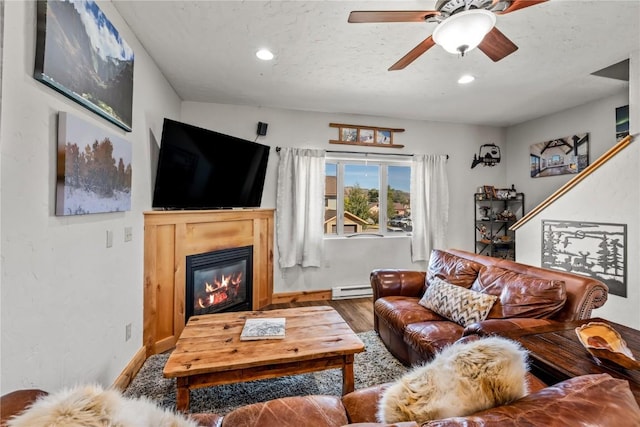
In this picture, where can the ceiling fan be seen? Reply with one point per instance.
(462, 26)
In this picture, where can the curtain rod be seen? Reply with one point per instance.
(364, 152)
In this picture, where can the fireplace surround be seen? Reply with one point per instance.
(172, 236)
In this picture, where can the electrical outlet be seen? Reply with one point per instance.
(109, 238)
(127, 332)
(128, 234)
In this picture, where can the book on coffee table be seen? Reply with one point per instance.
(263, 329)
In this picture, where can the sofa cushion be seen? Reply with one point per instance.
(460, 305)
(454, 269)
(462, 379)
(594, 400)
(520, 295)
(295, 411)
(429, 338)
(399, 311)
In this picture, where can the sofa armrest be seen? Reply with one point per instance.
(391, 282)
(500, 326)
(14, 403)
(595, 400)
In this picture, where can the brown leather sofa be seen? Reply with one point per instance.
(598, 400)
(528, 296)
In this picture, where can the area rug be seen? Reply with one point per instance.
(373, 366)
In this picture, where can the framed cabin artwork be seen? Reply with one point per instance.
(559, 156)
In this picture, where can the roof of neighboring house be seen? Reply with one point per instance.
(330, 214)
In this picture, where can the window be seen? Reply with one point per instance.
(362, 194)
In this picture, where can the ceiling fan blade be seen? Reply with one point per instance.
(413, 54)
(520, 4)
(496, 45)
(391, 16)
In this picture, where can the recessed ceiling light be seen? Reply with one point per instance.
(264, 54)
(467, 78)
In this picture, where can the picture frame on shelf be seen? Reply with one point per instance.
(489, 192)
(502, 193)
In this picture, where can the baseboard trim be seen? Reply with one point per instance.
(301, 296)
(131, 370)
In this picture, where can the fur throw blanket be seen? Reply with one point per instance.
(462, 379)
(91, 406)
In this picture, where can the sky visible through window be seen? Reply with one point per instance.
(366, 176)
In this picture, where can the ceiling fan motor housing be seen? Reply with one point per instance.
(451, 7)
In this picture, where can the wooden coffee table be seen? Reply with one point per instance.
(556, 354)
(209, 351)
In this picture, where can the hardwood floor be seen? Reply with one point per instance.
(357, 312)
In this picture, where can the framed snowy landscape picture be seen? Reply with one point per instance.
(94, 169)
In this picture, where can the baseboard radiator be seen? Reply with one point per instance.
(355, 291)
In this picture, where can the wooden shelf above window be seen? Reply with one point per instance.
(370, 136)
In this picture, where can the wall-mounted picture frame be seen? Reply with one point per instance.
(366, 136)
(384, 136)
(349, 134)
(94, 169)
(593, 249)
(622, 122)
(80, 54)
(560, 156)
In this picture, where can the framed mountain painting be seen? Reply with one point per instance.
(80, 54)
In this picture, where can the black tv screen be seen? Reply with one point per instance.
(203, 169)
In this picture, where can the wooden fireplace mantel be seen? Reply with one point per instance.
(171, 236)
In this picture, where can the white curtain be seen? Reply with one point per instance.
(429, 205)
(300, 207)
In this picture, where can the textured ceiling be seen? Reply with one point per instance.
(206, 49)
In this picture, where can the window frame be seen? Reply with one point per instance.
(383, 163)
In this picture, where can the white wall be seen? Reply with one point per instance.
(349, 261)
(597, 118)
(66, 298)
(609, 195)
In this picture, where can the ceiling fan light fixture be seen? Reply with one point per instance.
(464, 31)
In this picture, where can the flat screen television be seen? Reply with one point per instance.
(203, 169)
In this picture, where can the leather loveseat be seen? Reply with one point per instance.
(597, 400)
(527, 296)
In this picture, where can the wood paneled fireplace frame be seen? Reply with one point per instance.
(171, 236)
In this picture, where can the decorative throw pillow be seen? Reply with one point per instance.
(456, 303)
(92, 406)
(462, 379)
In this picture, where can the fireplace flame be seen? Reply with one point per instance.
(220, 290)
